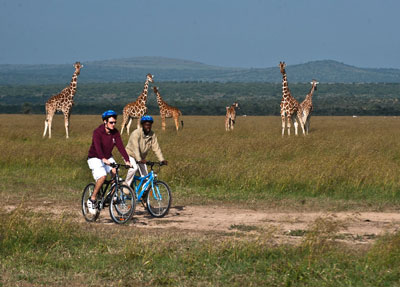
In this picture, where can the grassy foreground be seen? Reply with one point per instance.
(37, 251)
(345, 163)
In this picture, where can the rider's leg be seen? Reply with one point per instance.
(99, 171)
(131, 171)
(143, 169)
(97, 186)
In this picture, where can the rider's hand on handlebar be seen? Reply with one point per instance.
(128, 163)
(106, 161)
(164, 162)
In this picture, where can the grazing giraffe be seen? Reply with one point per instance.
(166, 111)
(231, 116)
(136, 109)
(62, 102)
(307, 106)
(290, 107)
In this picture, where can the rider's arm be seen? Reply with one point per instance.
(121, 148)
(156, 148)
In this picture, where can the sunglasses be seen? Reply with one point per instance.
(113, 123)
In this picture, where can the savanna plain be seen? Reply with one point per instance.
(250, 207)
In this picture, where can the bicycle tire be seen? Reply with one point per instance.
(122, 205)
(158, 199)
(87, 192)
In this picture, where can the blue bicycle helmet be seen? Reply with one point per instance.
(108, 114)
(146, 119)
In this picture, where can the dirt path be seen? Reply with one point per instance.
(285, 227)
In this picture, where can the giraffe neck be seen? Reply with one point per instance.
(143, 95)
(310, 94)
(73, 83)
(159, 100)
(285, 86)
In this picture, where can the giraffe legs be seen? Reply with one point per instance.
(296, 126)
(47, 123)
(66, 123)
(129, 125)
(301, 124)
(176, 120)
(283, 123)
(307, 125)
(163, 123)
(124, 120)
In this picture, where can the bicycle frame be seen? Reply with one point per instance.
(141, 186)
(107, 189)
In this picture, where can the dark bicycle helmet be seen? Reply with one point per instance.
(146, 119)
(108, 114)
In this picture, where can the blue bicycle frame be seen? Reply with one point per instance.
(143, 187)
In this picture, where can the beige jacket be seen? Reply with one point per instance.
(139, 144)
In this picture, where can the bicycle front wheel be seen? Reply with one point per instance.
(87, 193)
(122, 205)
(159, 199)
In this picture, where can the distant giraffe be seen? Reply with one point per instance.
(137, 109)
(166, 111)
(62, 102)
(231, 116)
(290, 107)
(307, 106)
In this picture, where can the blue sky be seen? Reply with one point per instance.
(247, 33)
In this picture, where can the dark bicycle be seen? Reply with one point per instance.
(118, 197)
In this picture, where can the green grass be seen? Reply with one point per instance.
(350, 161)
(345, 163)
(36, 250)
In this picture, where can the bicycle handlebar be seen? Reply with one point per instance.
(152, 163)
(149, 163)
(118, 165)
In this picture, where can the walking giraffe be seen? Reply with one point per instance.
(231, 116)
(136, 109)
(62, 102)
(290, 108)
(166, 111)
(307, 106)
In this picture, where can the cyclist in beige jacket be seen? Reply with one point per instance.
(139, 144)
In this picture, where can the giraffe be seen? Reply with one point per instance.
(166, 111)
(62, 102)
(307, 106)
(290, 107)
(231, 116)
(136, 109)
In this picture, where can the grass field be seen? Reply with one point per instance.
(344, 164)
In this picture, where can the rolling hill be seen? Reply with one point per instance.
(167, 69)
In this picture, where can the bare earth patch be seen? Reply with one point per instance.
(358, 228)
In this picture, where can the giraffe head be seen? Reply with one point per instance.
(282, 66)
(78, 67)
(236, 105)
(314, 83)
(149, 77)
(155, 89)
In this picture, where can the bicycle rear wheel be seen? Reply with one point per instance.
(87, 193)
(122, 205)
(159, 199)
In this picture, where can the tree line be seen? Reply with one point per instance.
(207, 98)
